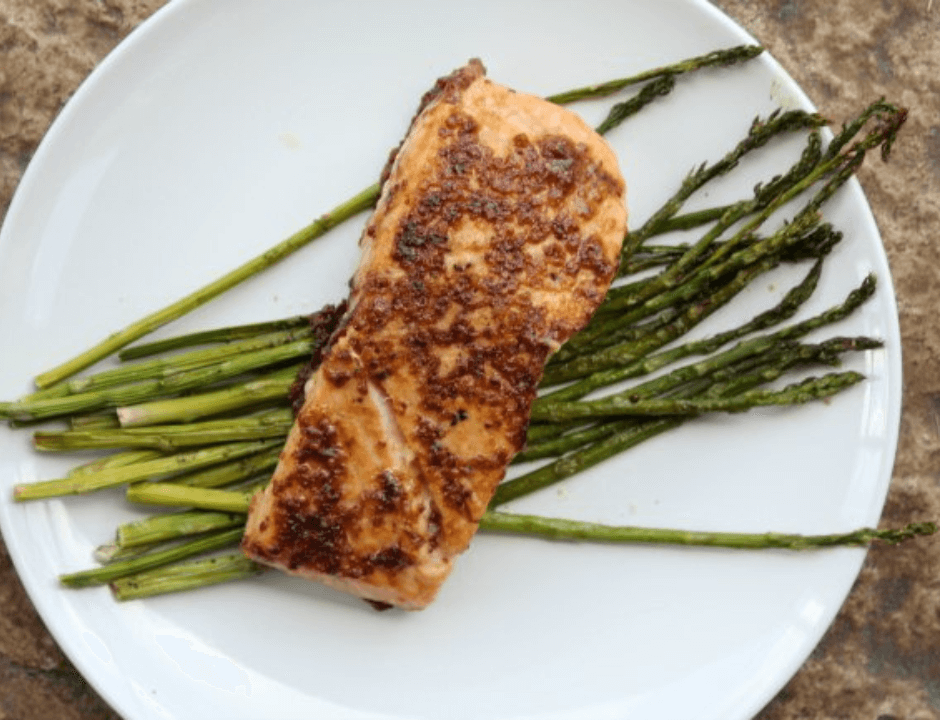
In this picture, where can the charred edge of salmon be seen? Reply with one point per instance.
(449, 88)
(324, 323)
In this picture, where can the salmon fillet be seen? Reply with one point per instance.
(496, 236)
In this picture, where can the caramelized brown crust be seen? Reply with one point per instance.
(496, 237)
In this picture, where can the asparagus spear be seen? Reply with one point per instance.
(121, 459)
(271, 424)
(551, 528)
(170, 526)
(632, 296)
(621, 111)
(217, 335)
(186, 576)
(254, 393)
(561, 529)
(232, 471)
(593, 358)
(718, 58)
(89, 482)
(112, 571)
(174, 384)
(173, 495)
(816, 388)
(688, 221)
(815, 245)
(171, 365)
(626, 434)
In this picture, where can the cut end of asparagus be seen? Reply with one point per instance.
(106, 553)
(42, 490)
(130, 416)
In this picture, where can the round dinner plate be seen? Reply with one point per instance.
(215, 130)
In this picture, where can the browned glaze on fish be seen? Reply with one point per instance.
(496, 236)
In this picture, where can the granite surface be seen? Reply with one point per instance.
(881, 657)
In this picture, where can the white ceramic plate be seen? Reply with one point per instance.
(215, 130)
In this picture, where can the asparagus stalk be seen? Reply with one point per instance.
(112, 552)
(890, 119)
(173, 495)
(815, 388)
(767, 199)
(628, 437)
(92, 481)
(166, 438)
(185, 576)
(718, 58)
(582, 365)
(564, 529)
(121, 459)
(633, 296)
(174, 384)
(195, 574)
(112, 571)
(164, 367)
(610, 331)
(621, 111)
(688, 221)
(561, 529)
(839, 165)
(681, 281)
(569, 439)
(232, 471)
(172, 526)
(270, 388)
(207, 337)
(566, 442)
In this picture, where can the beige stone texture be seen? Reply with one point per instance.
(880, 659)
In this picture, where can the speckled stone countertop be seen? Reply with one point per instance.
(880, 660)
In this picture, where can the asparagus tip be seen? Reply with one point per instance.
(912, 530)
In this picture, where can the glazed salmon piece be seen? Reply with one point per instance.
(497, 235)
